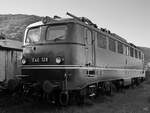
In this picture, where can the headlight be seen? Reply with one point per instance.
(59, 60)
(23, 61)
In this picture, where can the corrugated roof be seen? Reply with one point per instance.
(11, 44)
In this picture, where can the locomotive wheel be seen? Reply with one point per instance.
(64, 98)
(80, 96)
(47, 96)
(119, 84)
(108, 88)
(109, 91)
(80, 99)
(137, 81)
(13, 84)
(133, 83)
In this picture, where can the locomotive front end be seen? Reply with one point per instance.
(51, 61)
(46, 56)
(41, 56)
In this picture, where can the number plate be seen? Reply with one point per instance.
(40, 59)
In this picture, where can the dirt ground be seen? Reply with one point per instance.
(135, 100)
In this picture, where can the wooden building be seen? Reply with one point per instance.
(10, 54)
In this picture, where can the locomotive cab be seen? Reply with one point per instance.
(44, 46)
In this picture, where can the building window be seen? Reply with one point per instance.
(131, 52)
(102, 41)
(120, 48)
(112, 45)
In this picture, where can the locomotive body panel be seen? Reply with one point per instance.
(118, 66)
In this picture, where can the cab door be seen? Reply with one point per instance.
(88, 46)
(89, 37)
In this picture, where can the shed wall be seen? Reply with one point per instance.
(2, 65)
(9, 64)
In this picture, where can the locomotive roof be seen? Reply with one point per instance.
(35, 24)
(40, 23)
(72, 20)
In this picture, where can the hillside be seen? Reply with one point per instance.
(13, 26)
(146, 52)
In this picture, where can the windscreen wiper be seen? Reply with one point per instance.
(58, 38)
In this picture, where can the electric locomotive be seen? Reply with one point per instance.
(73, 57)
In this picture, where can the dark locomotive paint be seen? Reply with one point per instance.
(83, 62)
(74, 51)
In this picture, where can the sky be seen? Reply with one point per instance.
(129, 19)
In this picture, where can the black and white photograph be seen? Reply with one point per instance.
(75, 56)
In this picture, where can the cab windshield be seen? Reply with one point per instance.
(53, 33)
(33, 35)
(56, 33)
